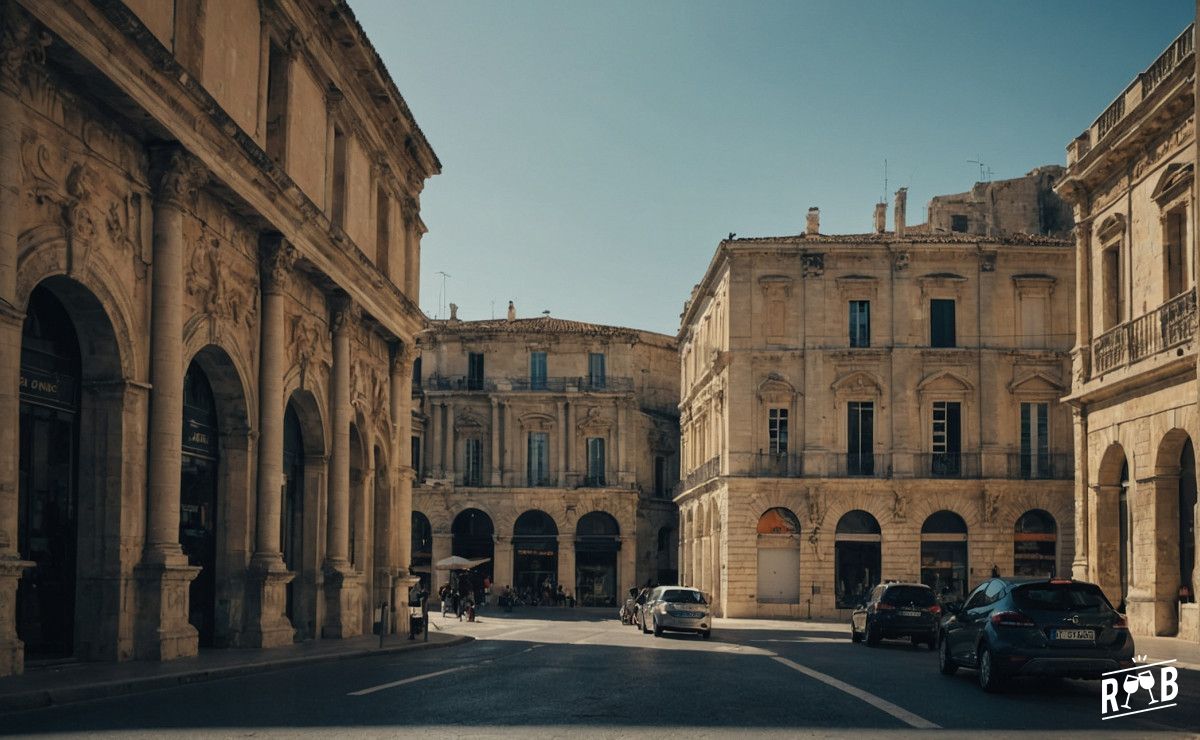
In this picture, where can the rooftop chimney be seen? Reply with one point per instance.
(512, 311)
(898, 216)
(880, 218)
(813, 226)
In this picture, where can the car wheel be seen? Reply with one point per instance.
(946, 664)
(854, 636)
(873, 636)
(989, 673)
(657, 629)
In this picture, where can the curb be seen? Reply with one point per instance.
(42, 698)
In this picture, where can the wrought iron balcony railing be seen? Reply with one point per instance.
(1171, 324)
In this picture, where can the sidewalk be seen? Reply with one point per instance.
(72, 682)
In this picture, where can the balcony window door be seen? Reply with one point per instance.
(595, 461)
(596, 371)
(860, 438)
(1035, 440)
(941, 323)
(537, 371)
(946, 441)
(473, 462)
(475, 371)
(538, 459)
(860, 323)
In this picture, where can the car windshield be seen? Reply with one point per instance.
(1060, 597)
(682, 596)
(915, 595)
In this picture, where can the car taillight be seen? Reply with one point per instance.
(1120, 623)
(935, 609)
(1011, 619)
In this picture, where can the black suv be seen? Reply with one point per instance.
(897, 610)
(1034, 627)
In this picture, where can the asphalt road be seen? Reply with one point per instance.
(581, 673)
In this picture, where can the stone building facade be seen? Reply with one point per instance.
(209, 255)
(874, 407)
(550, 447)
(1131, 181)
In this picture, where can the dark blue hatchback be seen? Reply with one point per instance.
(1012, 627)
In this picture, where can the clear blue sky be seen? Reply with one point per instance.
(595, 154)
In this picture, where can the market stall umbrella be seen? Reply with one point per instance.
(455, 562)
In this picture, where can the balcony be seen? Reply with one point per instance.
(1170, 325)
(1048, 466)
(609, 384)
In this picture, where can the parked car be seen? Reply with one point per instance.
(897, 610)
(679, 609)
(644, 620)
(1012, 627)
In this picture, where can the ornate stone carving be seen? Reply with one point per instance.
(180, 177)
(276, 260)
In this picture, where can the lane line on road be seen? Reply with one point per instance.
(401, 682)
(905, 716)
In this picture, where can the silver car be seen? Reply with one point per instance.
(677, 609)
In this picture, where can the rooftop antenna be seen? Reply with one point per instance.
(442, 297)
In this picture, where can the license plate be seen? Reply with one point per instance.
(1078, 635)
(909, 613)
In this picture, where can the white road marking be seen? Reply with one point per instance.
(884, 705)
(401, 682)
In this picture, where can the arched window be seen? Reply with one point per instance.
(857, 557)
(944, 555)
(778, 557)
(1034, 544)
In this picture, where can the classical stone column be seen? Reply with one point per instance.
(266, 624)
(163, 631)
(561, 421)
(496, 463)
(400, 394)
(342, 583)
(19, 46)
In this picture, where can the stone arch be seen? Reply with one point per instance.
(97, 447)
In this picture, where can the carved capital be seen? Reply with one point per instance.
(178, 177)
(276, 260)
(343, 313)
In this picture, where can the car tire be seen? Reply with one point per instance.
(990, 679)
(946, 664)
(873, 636)
(657, 629)
(854, 636)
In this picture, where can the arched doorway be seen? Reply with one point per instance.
(421, 562)
(857, 557)
(778, 557)
(1187, 522)
(47, 528)
(535, 552)
(198, 513)
(944, 555)
(292, 515)
(1035, 544)
(597, 541)
(472, 535)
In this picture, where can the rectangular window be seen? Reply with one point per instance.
(537, 371)
(941, 323)
(595, 461)
(475, 371)
(777, 431)
(946, 442)
(596, 374)
(860, 323)
(660, 476)
(860, 438)
(472, 461)
(538, 460)
(1035, 440)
